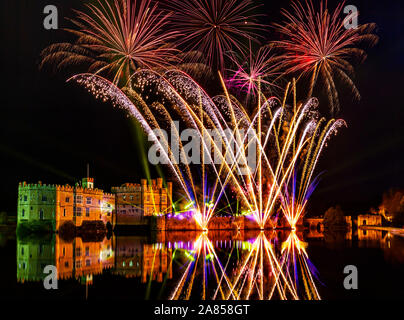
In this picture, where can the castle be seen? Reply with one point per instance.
(42, 206)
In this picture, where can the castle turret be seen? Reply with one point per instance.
(88, 183)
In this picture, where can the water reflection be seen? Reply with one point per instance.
(76, 258)
(191, 265)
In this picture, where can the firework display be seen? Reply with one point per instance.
(116, 37)
(237, 109)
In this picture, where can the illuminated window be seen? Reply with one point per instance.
(78, 212)
(79, 199)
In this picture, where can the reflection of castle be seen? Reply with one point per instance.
(73, 259)
(136, 258)
(79, 259)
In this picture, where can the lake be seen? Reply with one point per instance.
(212, 265)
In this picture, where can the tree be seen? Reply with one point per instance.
(3, 217)
(334, 218)
(393, 206)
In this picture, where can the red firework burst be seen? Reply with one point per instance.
(214, 27)
(317, 43)
(255, 70)
(117, 36)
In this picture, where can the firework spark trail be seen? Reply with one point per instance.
(317, 43)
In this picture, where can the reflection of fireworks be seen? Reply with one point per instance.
(297, 266)
(317, 43)
(118, 38)
(202, 256)
(262, 273)
(214, 27)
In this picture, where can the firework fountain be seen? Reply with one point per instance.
(278, 177)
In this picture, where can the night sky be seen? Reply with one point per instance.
(50, 130)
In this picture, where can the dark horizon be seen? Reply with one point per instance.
(51, 130)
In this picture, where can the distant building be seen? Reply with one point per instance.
(136, 202)
(53, 205)
(369, 220)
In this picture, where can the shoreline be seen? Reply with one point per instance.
(395, 231)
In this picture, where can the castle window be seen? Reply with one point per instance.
(88, 200)
(87, 212)
(88, 262)
(67, 199)
(23, 213)
(79, 199)
(44, 198)
(87, 251)
(22, 250)
(41, 214)
(78, 252)
(78, 212)
(67, 264)
(25, 198)
(64, 212)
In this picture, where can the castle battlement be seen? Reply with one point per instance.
(39, 186)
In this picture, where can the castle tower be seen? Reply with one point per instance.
(87, 183)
